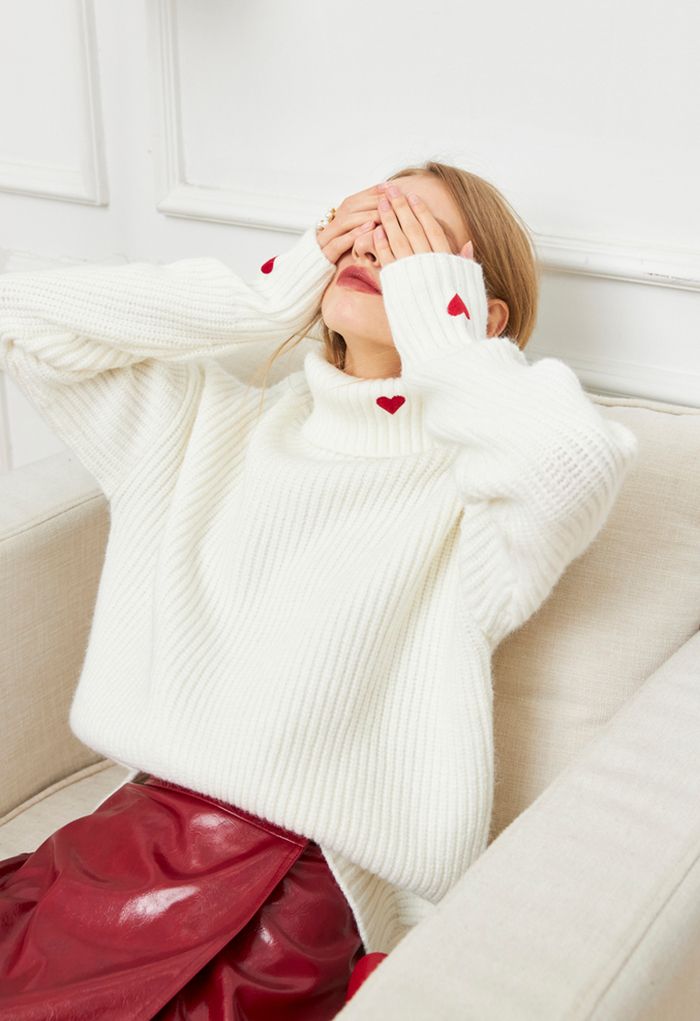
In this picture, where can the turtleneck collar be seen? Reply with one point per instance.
(371, 417)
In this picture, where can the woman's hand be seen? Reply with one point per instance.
(407, 228)
(356, 213)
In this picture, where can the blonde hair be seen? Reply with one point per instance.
(502, 245)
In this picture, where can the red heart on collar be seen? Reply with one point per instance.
(456, 307)
(391, 404)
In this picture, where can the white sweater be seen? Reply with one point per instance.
(297, 614)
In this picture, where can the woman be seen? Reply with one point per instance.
(293, 632)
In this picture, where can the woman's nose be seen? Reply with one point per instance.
(364, 245)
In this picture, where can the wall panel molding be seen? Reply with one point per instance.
(175, 195)
(88, 184)
(639, 263)
(614, 377)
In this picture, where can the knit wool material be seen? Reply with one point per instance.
(297, 610)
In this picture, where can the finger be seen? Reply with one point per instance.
(382, 247)
(367, 194)
(352, 213)
(399, 242)
(365, 200)
(414, 215)
(343, 222)
(334, 247)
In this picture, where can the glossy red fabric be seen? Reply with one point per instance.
(168, 904)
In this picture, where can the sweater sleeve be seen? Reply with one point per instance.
(95, 346)
(537, 466)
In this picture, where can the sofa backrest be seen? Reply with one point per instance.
(618, 612)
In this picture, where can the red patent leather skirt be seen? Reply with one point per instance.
(168, 904)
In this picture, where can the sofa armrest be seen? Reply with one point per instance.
(588, 904)
(54, 523)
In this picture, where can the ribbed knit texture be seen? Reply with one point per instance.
(297, 612)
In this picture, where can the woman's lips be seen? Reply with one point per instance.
(357, 285)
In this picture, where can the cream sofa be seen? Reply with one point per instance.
(586, 904)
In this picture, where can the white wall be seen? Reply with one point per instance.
(167, 128)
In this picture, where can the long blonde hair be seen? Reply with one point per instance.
(502, 244)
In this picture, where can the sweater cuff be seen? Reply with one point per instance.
(294, 275)
(435, 302)
(308, 254)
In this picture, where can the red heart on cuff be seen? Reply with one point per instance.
(456, 307)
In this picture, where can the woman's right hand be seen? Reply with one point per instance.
(356, 214)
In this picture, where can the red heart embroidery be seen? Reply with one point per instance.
(267, 266)
(457, 306)
(391, 404)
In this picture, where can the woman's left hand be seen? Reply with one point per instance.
(409, 228)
